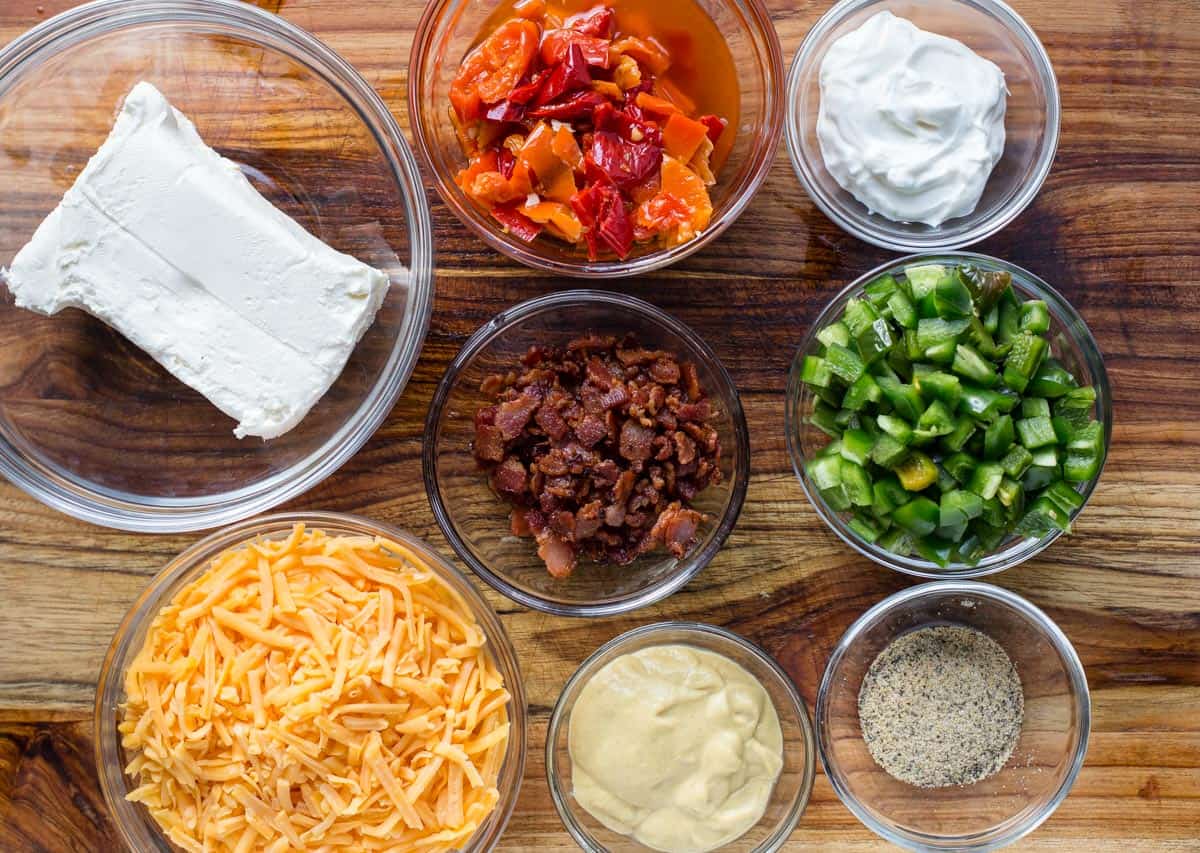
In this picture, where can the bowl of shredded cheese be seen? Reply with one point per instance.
(310, 681)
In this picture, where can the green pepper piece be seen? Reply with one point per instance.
(844, 362)
(832, 394)
(874, 341)
(960, 503)
(986, 286)
(834, 333)
(981, 339)
(991, 319)
(940, 386)
(1051, 380)
(1039, 476)
(858, 483)
(1081, 467)
(866, 529)
(1042, 517)
(1023, 360)
(942, 353)
(887, 451)
(934, 331)
(1035, 317)
(858, 315)
(897, 541)
(951, 299)
(1016, 461)
(912, 346)
(815, 371)
(1009, 491)
(823, 418)
(1009, 324)
(919, 516)
(897, 428)
(825, 471)
(969, 364)
(960, 466)
(917, 472)
(847, 419)
(935, 550)
(902, 309)
(856, 446)
(1035, 407)
(862, 391)
(1077, 406)
(957, 438)
(923, 279)
(936, 420)
(1036, 432)
(998, 438)
(888, 491)
(985, 479)
(1063, 496)
(904, 398)
(880, 289)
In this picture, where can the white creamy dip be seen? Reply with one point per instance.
(911, 123)
(676, 746)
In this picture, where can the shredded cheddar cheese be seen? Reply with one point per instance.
(315, 693)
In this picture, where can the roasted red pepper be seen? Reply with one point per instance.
(515, 222)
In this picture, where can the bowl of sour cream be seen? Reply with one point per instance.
(921, 126)
(683, 738)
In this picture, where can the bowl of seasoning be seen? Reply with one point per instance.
(953, 716)
(678, 737)
(949, 414)
(920, 126)
(597, 140)
(586, 454)
(327, 681)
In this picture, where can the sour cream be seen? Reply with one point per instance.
(911, 123)
(675, 746)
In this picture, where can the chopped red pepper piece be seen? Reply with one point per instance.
(716, 126)
(596, 21)
(569, 76)
(580, 105)
(555, 44)
(635, 128)
(601, 208)
(505, 112)
(505, 160)
(625, 163)
(526, 92)
(515, 222)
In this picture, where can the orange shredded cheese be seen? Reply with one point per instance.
(315, 693)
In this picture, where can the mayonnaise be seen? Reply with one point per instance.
(676, 746)
(911, 123)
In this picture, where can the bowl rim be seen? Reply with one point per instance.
(1014, 554)
(755, 13)
(885, 236)
(692, 564)
(1049, 629)
(586, 670)
(195, 559)
(149, 514)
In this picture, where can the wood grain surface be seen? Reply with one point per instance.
(1116, 228)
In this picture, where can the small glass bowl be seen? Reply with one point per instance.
(1042, 768)
(1071, 342)
(90, 424)
(994, 31)
(133, 821)
(476, 521)
(448, 30)
(788, 799)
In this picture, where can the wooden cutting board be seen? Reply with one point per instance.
(1116, 229)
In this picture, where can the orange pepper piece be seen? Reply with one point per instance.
(647, 52)
(681, 209)
(555, 177)
(559, 216)
(682, 136)
(494, 67)
(656, 105)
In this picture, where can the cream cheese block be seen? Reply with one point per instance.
(167, 242)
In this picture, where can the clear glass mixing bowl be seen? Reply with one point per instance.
(89, 423)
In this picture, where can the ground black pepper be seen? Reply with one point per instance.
(941, 706)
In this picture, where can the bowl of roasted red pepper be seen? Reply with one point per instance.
(586, 454)
(596, 140)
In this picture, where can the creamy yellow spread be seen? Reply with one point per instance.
(675, 746)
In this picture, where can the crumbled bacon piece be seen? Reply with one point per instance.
(599, 446)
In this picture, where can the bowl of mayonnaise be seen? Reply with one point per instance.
(922, 126)
(683, 738)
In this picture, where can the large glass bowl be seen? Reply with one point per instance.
(89, 423)
(1044, 764)
(789, 798)
(476, 521)
(133, 821)
(991, 29)
(1071, 342)
(447, 31)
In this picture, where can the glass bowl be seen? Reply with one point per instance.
(90, 424)
(790, 795)
(475, 520)
(1042, 768)
(994, 31)
(447, 31)
(1071, 342)
(137, 828)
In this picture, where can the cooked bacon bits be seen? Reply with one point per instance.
(628, 162)
(600, 446)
